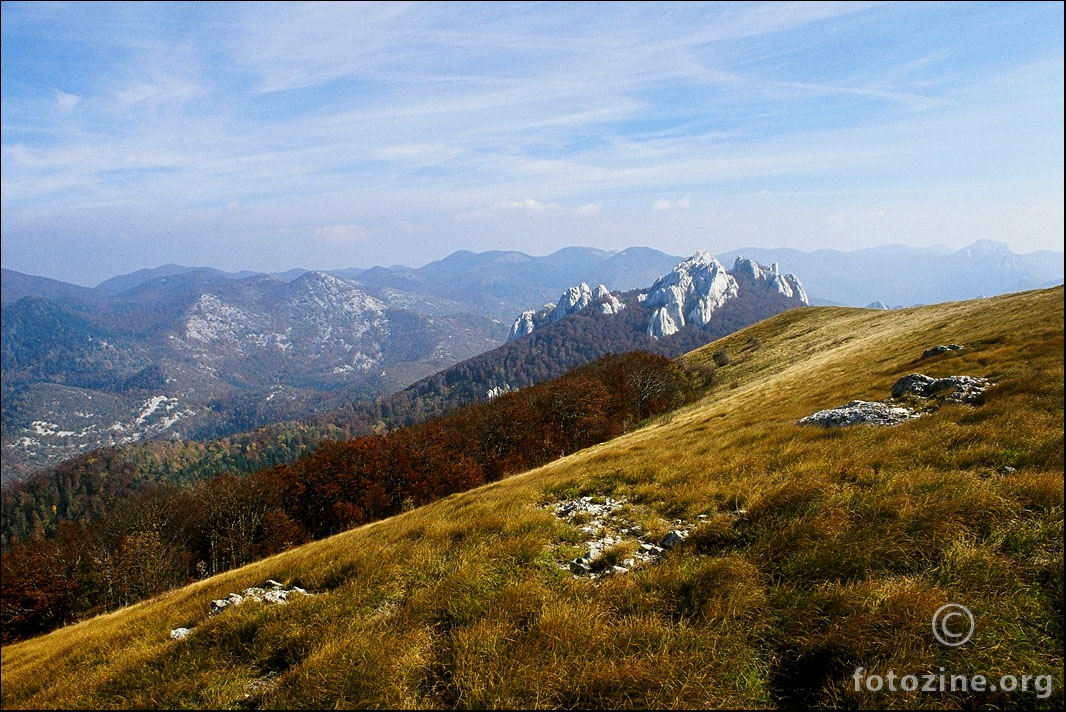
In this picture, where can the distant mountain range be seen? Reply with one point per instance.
(199, 353)
(696, 302)
(907, 276)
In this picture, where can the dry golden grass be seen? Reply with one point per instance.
(821, 551)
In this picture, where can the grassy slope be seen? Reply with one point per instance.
(850, 540)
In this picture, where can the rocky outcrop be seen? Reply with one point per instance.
(769, 278)
(921, 394)
(497, 391)
(958, 389)
(570, 302)
(603, 520)
(271, 592)
(609, 304)
(941, 349)
(689, 294)
(701, 285)
(859, 412)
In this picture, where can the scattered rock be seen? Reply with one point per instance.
(270, 592)
(580, 567)
(1006, 470)
(601, 521)
(261, 684)
(964, 389)
(916, 384)
(859, 412)
(941, 349)
(221, 604)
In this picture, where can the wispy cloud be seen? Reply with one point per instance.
(664, 204)
(417, 113)
(587, 209)
(342, 233)
(65, 101)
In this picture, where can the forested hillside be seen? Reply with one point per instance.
(147, 539)
(78, 490)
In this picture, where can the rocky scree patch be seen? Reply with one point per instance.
(606, 530)
(270, 592)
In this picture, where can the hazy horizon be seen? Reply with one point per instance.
(330, 136)
(399, 265)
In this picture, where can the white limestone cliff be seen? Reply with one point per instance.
(689, 294)
(571, 301)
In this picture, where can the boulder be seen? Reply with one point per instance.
(941, 349)
(221, 604)
(859, 412)
(963, 389)
(916, 384)
(673, 538)
(580, 567)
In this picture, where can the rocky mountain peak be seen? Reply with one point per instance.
(571, 301)
(321, 290)
(787, 285)
(689, 294)
(574, 299)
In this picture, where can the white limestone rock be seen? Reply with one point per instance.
(689, 294)
(610, 304)
(570, 302)
(673, 538)
(859, 412)
(940, 349)
(770, 278)
(961, 389)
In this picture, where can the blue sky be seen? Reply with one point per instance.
(266, 136)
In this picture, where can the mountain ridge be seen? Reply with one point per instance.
(442, 326)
